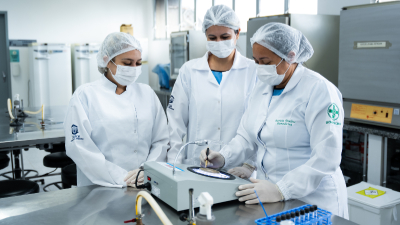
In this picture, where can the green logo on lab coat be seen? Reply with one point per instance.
(333, 111)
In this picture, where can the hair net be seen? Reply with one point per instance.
(285, 41)
(115, 44)
(221, 15)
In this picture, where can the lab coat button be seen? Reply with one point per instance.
(219, 128)
(135, 151)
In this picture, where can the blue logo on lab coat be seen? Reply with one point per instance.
(75, 135)
(171, 100)
(74, 129)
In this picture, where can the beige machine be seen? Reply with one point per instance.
(369, 63)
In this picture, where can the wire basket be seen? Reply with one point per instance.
(323, 217)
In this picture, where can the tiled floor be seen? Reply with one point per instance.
(33, 159)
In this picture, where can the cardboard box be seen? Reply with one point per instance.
(126, 28)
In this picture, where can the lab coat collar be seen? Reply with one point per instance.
(294, 80)
(239, 62)
(107, 83)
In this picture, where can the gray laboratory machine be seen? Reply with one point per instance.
(369, 63)
(185, 46)
(173, 188)
(321, 30)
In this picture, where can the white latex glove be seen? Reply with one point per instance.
(242, 172)
(266, 191)
(215, 160)
(130, 178)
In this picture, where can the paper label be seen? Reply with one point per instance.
(169, 166)
(155, 191)
(371, 113)
(372, 44)
(371, 192)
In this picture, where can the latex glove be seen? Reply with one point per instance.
(242, 172)
(130, 178)
(215, 159)
(266, 190)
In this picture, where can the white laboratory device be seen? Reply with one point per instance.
(84, 63)
(50, 74)
(19, 64)
(173, 188)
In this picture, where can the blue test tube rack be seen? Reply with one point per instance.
(323, 217)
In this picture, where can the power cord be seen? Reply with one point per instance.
(146, 185)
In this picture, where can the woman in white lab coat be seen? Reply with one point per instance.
(210, 94)
(114, 125)
(293, 123)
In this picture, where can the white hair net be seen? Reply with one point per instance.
(115, 44)
(285, 41)
(221, 15)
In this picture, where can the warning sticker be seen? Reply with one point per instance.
(371, 192)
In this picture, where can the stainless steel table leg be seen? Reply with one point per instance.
(385, 153)
(22, 164)
(365, 157)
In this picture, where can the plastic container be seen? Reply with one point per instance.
(323, 217)
(382, 210)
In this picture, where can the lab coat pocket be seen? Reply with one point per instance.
(280, 129)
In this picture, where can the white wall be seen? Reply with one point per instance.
(73, 21)
(333, 7)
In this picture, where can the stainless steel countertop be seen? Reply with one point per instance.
(31, 132)
(101, 205)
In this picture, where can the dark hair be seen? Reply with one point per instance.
(236, 32)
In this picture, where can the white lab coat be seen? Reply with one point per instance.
(204, 109)
(302, 143)
(107, 135)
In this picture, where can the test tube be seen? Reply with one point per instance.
(315, 211)
(307, 211)
(302, 215)
(283, 217)
(297, 213)
(312, 212)
(288, 216)
(292, 216)
(278, 220)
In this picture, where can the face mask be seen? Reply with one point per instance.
(126, 75)
(221, 49)
(268, 74)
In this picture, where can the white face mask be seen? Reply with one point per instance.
(126, 75)
(221, 49)
(268, 74)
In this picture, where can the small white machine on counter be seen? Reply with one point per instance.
(173, 189)
(171, 183)
(50, 74)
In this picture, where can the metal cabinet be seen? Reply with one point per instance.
(5, 81)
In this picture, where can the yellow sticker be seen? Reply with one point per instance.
(372, 113)
(371, 192)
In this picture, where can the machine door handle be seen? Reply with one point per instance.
(4, 77)
(44, 58)
(84, 58)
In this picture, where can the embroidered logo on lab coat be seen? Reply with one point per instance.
(75, 135)
(333, 113)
